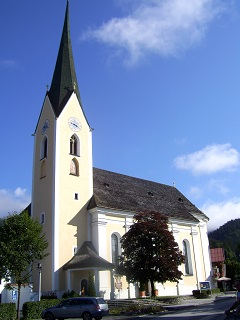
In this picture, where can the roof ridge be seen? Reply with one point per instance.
(137, 178)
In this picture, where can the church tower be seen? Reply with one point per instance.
(62, 167)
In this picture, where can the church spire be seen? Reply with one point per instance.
(64, 80)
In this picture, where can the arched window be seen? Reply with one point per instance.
(187, 254)
(44, 147)
(115, 249)
(74, 167)
(43, 169)
(74, 145)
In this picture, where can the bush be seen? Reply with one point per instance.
(69, 294)
(216, 290)
(8, 311)
(204, 293)
(201, 294)
(196, 293)
(33, 310)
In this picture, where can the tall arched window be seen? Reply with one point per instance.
(74, 145)
(44, 148)
(115, 248)
(74, 167)
(187, 255)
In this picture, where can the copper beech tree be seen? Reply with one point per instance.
(149, 251)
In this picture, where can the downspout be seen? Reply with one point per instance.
(129, 291)
(202, 252)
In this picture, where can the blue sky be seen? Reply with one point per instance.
(159, 82)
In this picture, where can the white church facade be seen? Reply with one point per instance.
(84, 211)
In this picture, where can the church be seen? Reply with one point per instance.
(85, 211)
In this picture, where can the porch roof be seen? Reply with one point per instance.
(87, 257)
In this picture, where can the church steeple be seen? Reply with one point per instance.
(64, 80)
(62, 167)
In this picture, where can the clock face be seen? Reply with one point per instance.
(45, 126)
(74, 124)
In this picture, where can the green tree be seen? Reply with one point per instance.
(227, 237)
(150, 252)
(232, 269)
(22, 244)
(91, 285)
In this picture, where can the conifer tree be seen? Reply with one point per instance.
(91, 285)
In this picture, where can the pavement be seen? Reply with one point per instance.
(190, 303)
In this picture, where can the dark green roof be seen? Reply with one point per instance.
(64, 81)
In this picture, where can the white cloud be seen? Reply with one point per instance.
(11, 201)
(19, 192)
(211, 159)
(165, 28)
(221, 212)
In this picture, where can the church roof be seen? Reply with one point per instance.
(121, 192)
(64, 81)
(87, 257)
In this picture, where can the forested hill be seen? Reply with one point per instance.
(228, 237)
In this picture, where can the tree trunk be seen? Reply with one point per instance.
(152, 287)
(18, 301)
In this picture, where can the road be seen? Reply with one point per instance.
(211, 311)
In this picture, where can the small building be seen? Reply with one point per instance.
(218, 263)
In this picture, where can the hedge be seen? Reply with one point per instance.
(8, 311)
(33, 310)
(205, 293)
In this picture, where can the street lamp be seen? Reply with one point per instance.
(39, 266)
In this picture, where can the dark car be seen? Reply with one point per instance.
(85, 307)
